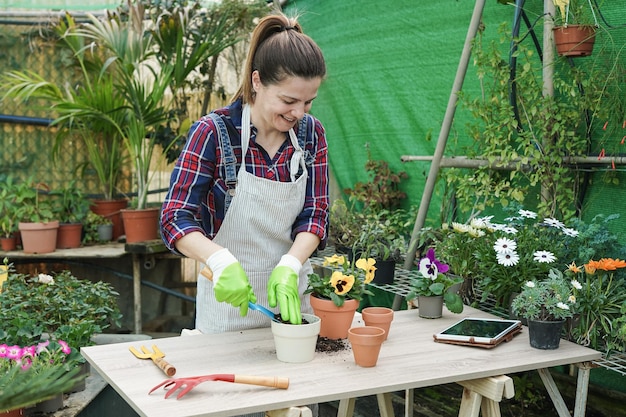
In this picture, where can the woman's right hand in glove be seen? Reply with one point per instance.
(230, 283)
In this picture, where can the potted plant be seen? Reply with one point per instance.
(97, 228)
(60, 305)
(71, 207)
(432, 287)
(546, 304)
(36, 218)
(575, 28)
(335, 296)
(600, 304)
(30, 375)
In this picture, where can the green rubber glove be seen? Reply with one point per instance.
(282, 289)
(230, 283)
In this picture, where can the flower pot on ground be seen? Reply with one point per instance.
(335, 297)
(378, 317)
(335, 321)
(48, 406)
(366, 342)
(296, 343)
(141, 225)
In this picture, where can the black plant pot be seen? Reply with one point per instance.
(545, 334)
(385, 272)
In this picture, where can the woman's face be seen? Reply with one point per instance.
(280, 106)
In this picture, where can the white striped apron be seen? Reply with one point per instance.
(257, 231)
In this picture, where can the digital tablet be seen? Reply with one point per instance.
(479, 332)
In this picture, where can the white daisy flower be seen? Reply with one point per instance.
(530, 284)
(576, 284)
(568, 231)
(528, 214)
(544, 256)
(562, 306)
(509, 230)
(507, 259)
(504, 245)
(460, 227)
(571, 299)
(476, 232)
(498, 226)
(552, 222)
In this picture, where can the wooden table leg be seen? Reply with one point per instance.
(137, 291)
(484, 395)
(346, 407)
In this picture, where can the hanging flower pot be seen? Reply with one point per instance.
(545, 334)
(296, 343)
(335, 320)
(574, 40)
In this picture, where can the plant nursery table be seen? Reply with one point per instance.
(410, 358)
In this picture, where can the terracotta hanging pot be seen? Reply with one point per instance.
(335, 320)
(141, 225)
(574, 40)
(39, 237)
(296, 343)
(112, 210)
(366, 342)
(378, 317)
(69, 235)
(430, 307)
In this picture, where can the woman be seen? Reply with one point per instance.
(255, 221)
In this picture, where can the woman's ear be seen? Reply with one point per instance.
(256, 80)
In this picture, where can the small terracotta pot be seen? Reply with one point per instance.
(366, 342)
(378, 317)
(335, 320)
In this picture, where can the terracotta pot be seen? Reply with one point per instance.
(574, 40)
(378, 317)
(69, 235)
(112, 210)
(12, 413)
(39, 237)
(366, 342)
(545, 334)
(296, 343)
(335, 320)
(141, 225)
(8, 243)
(430, 307)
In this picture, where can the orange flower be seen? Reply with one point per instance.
(341, 283)
(590, 267)
(573, 268)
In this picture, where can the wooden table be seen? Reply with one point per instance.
(408, 359)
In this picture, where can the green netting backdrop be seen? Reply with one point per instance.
(391, 67)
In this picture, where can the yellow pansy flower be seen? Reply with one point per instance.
(368, 266)
(341, 283)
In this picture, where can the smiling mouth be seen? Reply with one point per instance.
(288, 119)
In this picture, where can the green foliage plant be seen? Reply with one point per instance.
(530, 152)
(32, 202)
(57, 305)
(70, 204)
(8, 207)
(90, 227)
(550, 299)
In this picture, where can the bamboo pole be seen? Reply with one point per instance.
(479, 5)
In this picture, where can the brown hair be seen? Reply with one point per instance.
(279, 49)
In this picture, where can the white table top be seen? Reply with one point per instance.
(408, 359)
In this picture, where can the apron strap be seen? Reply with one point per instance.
(230, 162)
